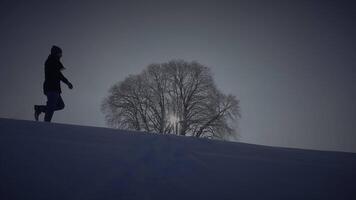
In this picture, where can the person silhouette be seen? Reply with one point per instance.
(52, 85)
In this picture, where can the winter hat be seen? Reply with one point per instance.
(55, 50)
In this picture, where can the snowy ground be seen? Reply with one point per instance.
(56, 161)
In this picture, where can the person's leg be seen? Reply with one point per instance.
(60, 103)
(52, 101)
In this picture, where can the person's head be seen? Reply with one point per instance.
(56, 51)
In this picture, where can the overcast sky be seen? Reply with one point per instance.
(291, 63)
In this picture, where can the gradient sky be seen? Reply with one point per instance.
(291, 63)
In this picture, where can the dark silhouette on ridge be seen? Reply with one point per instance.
(175, 97)
(52, 85)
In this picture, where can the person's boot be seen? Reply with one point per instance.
(37, 112)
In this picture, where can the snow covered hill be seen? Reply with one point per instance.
(56, 161)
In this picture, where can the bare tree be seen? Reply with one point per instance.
(177, 97)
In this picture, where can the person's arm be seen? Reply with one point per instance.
(65, 80)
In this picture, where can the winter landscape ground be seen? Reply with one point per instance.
(55, 161)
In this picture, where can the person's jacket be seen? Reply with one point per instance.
(53, 75)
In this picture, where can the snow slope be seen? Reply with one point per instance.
(56, 161)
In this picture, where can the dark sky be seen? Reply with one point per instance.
(291, 63)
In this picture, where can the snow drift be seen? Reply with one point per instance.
(56, 161)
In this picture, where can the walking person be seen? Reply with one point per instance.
(52, 85)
